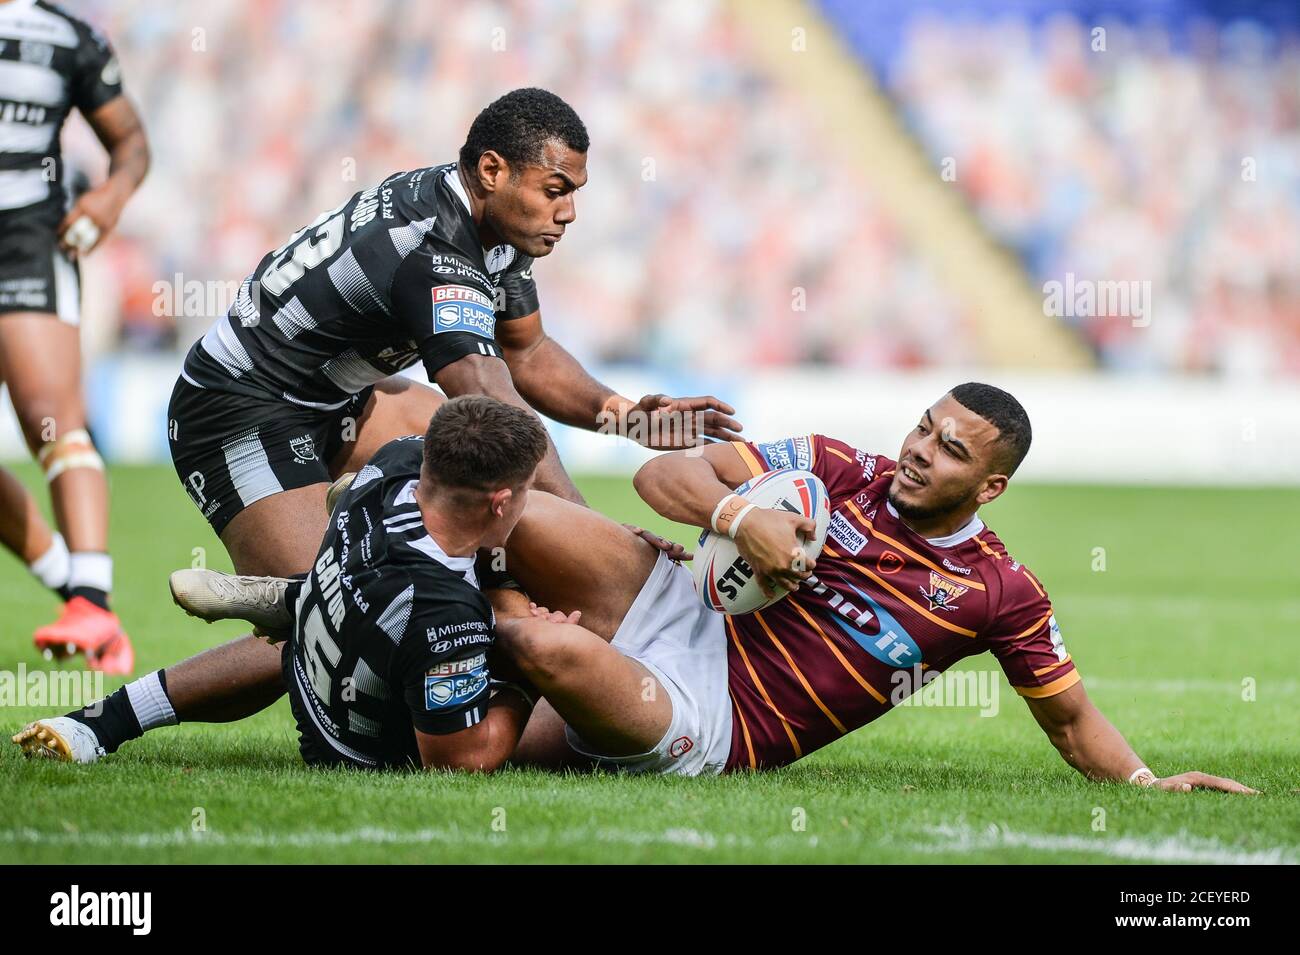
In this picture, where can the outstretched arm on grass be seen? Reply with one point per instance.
(1088, 742)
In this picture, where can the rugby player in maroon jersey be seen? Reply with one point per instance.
(910, 582)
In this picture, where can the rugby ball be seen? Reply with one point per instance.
(723, 579)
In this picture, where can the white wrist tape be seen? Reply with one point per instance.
(82, 234)
(734, 527)
(1143, 777)
(713, 518)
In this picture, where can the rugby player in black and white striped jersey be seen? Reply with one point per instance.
(298, 383)
(51, 63)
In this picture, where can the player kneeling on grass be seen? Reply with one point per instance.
(389, 635)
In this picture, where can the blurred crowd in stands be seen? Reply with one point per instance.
(1119, 155)
(712, 214)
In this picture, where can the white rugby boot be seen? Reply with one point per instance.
(211, 595)
(61, 738)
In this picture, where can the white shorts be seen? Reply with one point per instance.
(670, 632)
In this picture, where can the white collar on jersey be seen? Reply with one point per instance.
(959, 536)
(453, 180)
(459, 565)
(429, 547)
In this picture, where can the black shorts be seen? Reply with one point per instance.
(35, 275)
(230, 450)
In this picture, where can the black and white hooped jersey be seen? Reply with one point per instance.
(395, 274)
(49, 62)
(390, 633)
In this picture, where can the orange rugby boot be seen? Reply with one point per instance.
(86, 628)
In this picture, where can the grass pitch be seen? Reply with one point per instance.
(1187, 640)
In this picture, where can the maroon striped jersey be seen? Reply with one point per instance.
(885, 611)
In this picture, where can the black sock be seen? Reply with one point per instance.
(64, 593)
(111, 719)
(96, 596)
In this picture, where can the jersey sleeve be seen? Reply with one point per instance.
(490, 568)
(842, 467)
(96, 77)
(519, 290)
(445, 673)
(1027, 641)
(446, 306)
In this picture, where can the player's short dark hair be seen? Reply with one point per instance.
(480, 443)
(1000, 409)
(518, 126)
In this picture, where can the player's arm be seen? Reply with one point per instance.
(485, 747)
(118, 127)
(96, 90)
(1088, 742)
(476, 374)
(548, 377)
(556, 384)
(696, 487)
(453, 325)
(463, 715)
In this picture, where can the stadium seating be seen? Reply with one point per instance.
(1169, 155)
(705, 216)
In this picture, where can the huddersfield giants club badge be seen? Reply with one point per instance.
(943, 592)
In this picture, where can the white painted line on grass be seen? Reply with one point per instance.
(1182, 847)
(936, 840)
(366, 835)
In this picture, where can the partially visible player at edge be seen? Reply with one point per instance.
(296, 385)
(50, 63)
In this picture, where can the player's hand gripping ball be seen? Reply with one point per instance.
(723, 579)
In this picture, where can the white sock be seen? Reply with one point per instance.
(89, 569)
(52, 568)
(150, 703)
